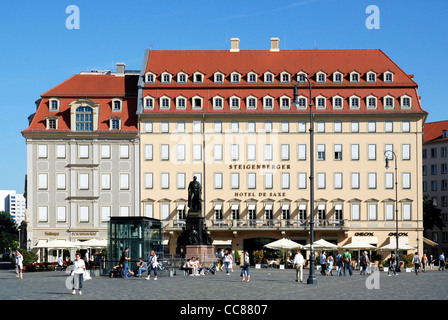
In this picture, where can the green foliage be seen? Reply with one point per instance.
(8, 231)
(407, 259)
(237, 255)
(258, 255)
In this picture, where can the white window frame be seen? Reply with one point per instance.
(145, 103)
(215, 105)
(178, 103)
(166, 77)
(266, 77)
(179, 75)
(248, 102)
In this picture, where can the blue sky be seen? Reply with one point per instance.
(37, 51)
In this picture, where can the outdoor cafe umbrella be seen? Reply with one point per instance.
(283, 244)
(322, 245)
(393, 246)
(93, 243)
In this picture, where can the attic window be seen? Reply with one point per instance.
(198, 78)
(117, 105)
(53, 104)
(444, 134)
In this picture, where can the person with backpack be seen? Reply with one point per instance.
(347, 258)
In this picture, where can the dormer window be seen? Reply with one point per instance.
(197, 102)
(321, 77)
(53, 104)
(371, 76)
(164, 102)
(84, 115)
(251, 102)
(148, 102)
(117, 105)
(181, 102)
(371, 102)
(285, 77)
(354, 102)
(114, 123)
(166, 77)
(182, 77)
(268, 102)
(406, 101)
(388, 102)
(337, 77)
(301, 77)
(268, 77)
(52, 122)
(252, 77)
(234, 102)
(150, 77)
(285, 102)
(354, 76)
(388, 76)
(338, 102)
(198, 77)
(219, 77)
(321, 102)
(235, 77)
(302, 101)
(218, 102)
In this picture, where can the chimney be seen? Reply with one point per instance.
(235, 45)
(275, 44)
(121, 67)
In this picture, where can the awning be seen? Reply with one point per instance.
(222, 242)
(268, 207)
(430, 242)
(321, 207)
(40, 244)
(285, 207)
(338, 207)
(302, 206)
(181, 207)
(251, 207)
(218, 206)
(165, 242)
(235, 207)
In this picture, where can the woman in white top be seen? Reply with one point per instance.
(78, 273)
(152, 265)
(19, 265)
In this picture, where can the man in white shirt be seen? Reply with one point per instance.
(298, 265)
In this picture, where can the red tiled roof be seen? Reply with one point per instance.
(101, 89)
(292, 61)
(433, 131)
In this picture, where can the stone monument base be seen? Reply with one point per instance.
(205, 252)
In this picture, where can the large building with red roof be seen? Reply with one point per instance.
(83, 156)
(227, 117)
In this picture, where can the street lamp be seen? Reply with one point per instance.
(312, 276)
(397, 267)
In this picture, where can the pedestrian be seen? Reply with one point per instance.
(87, 259)
(442, 262)
(60, 263)
(364, 263)
(323, 263)
(124, 260)
(221, 259)
(152, 265)
(18, 264)
(339, 263)
(78, 273)
(298, 265)
(231, 260)
(182, 255)
(431, 262)
(227, 262)
(416, 261)
(330, 262)
(245, 273)
(347, 259)
(424, 262)
(392, 264)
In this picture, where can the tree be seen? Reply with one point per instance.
(8, 230)
(432, 216)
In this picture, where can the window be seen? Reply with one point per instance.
(166, 77)
(371, 102)
(355, 180)
(60, 181)
(388, 102)
(321, 102)
(338, 152)
(321, 77)
(165, 103)
(406, 178)
(165, 180)
(388, 77)
(217, 152)
(371, 126)
(105, 151)
(181, 180)
(218, 103)
(285, 180)
(372, 152)
(234, 152)
(116, 105)
(42, 151)
(405, 102)
(355, 126)
(337, 77)
(252, 77)
(218, 180)
(268, 77)
(114, 124)
(321, 212)
(234, 103)
(83, 181)
(150, 77)
(84, 119)
(284, 103)
(338, 180)
(149, 180)
(43, 214)
(406, 211)
(373, 211)
(268, 152)
(234, 126)
(235, 211)
(148, 152)
(197, 152)
(372, 180)
(337, 102)
(251, 181)
(124, 151)
(149, 103)
(165, 152)
(182, 77)
(268, 102)
(302, 180)
(354, 77)
(321, 152)
(405, 126)
(60, 151)
(52, 123)
(165, 211)
(181, 103)
(301, 126)
(354, 102)
(389, 208)
(285, 152)
(356, 211)
(268, 181)
(302, 212)
(251, 152)
(53, 104)
(268, 212)
(268, 126)
(251, 102)
(389, 180)
(301, 102)
(388, 126)
(285, 126)
(406, 152)
(235, 77)
(371, 77)
(337, 212)
(235, 180)
(197, 102)
(285, 212)
(284, 77)
(320, 126)
(61, 214)
(301, 77)
(251, 212)
(321, 183)
(218, 212)
(42, 181)
(217, 127)
(219, 77)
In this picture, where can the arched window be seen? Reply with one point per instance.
(84, 119)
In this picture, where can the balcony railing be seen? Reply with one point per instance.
(260, 223)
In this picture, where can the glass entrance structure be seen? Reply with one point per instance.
(140, 234)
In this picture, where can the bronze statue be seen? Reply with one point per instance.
(194, 195)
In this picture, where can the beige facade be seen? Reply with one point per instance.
(254, 170)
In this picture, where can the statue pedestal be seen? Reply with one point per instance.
(204, 252)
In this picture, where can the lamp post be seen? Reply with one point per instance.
(312, 276)
(397, 267)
